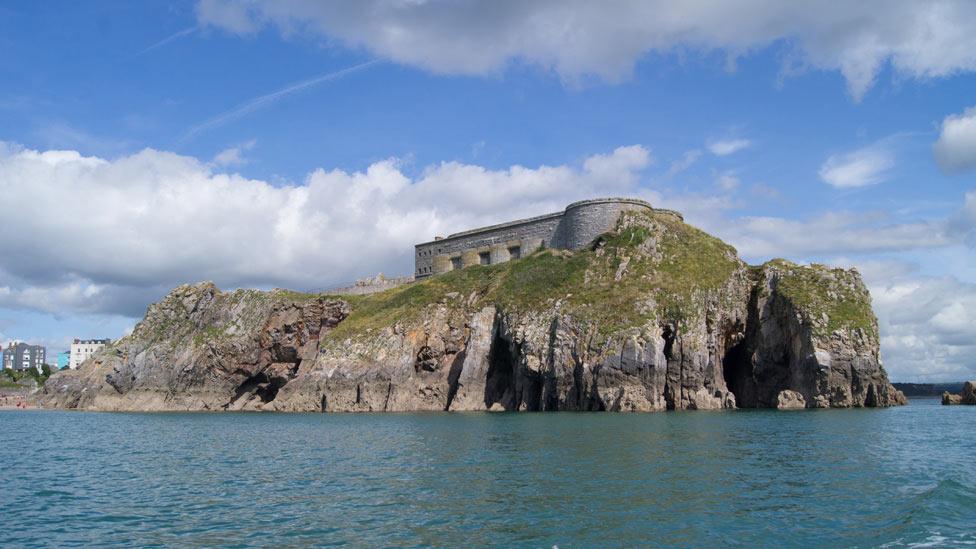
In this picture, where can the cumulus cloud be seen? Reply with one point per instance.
(867, 166)
(128, 229)
(955, 150)
(234, 156)
(606, 39)
(728, 146)
(928, 327)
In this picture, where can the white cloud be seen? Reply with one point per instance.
(227, 14)
(928, 327)
(867, 166)
(234, 156)
(955, 150)
(927, 323)
(686, 161)
(761, 238)
(578, 37)
(130, 228)
(728, 146)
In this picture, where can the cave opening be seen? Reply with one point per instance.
(268, 390)
(737, 369)
(668, 334)
(500, 380)
(261, 385)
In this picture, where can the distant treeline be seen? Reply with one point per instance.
(927, 389)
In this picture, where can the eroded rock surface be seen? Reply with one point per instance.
(654, 316)
(790, 400)
(967, 396)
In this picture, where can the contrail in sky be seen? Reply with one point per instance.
(167, 40)
(267, 100)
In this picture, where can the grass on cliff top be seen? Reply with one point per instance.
(818, 290)
(375, 312)
(584, 281)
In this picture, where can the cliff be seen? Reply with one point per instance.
(654, 315)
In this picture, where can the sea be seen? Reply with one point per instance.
(895, 477)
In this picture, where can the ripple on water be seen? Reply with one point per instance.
(838, 477)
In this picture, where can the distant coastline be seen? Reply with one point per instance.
(918, 390)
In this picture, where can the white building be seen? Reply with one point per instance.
(81, 349)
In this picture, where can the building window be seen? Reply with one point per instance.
(484, 258)
(456, 263)
(515, 252)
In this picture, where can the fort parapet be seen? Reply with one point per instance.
(572, 229)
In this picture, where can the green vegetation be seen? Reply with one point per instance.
(18, 379)
(378, 311)
(653, 269)
(604, 287)
(210, 333)
(819, 290)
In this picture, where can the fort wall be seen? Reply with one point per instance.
(499, 242)
(572, 229)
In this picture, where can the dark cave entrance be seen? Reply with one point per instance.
(500, 381)
(265, 384)
(507, 382)
(737, 368)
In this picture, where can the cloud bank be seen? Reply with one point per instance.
(576, 38)
(97, 235)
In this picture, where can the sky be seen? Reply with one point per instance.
(306, 144)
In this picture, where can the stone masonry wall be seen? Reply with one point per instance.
(584, 221)
(527, 234)
(572, 229)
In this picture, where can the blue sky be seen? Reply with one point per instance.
(303, 144)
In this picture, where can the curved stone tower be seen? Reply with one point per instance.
(585, 220)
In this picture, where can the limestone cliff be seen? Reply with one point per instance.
(655, 315)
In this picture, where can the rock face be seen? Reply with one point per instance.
(790, 400)
(655, 315)
(967, 396)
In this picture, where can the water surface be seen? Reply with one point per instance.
(901, 476)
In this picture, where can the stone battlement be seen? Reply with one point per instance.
(572, 229)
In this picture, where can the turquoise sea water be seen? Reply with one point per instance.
(902, 476)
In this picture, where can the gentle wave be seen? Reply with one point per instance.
(893, 478)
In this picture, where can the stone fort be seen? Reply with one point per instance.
(571, 229)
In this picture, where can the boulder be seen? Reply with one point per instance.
(790, 400)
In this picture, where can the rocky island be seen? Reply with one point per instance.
(966, 396)
(613, 307)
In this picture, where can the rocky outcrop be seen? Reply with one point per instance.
(790, 400)
(967, 396)
(653, 316)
